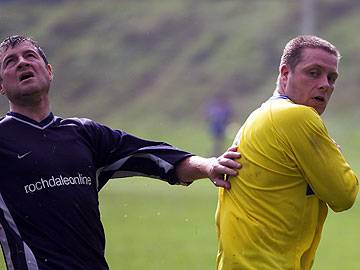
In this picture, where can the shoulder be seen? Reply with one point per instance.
(75, 122)
(6, 121)
(90, 127)
(79, 125)
(3, 119)
(297, 122)
(288, 113)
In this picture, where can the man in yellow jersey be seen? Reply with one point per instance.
(293, 171)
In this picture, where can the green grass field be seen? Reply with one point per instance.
(152, 225)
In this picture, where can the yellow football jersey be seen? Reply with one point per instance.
(272, 216)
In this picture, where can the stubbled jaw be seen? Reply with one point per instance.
(319, 104)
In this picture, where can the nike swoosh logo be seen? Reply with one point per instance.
(23, 155)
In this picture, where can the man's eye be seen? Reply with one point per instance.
(332, 79)
(8, 62)
(314, 73)
(30, 55)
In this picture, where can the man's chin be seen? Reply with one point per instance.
(320, 110)
(319, 107)
(29, 90)
(25, 98)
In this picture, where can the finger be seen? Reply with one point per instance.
(221, 170)
(222, 183)
(233, 164)
(232, 155)
(232, 149)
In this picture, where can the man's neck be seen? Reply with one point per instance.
(37, 113)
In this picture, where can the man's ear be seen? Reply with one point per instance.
(2, 90)
(50, 71)
(284, 73)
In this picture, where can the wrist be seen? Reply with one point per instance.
(209, 166)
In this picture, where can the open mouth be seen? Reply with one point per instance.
(26, 75)
(319, 99)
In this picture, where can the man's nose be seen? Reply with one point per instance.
(22, 62)
(325, 84)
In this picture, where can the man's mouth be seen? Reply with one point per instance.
(26, 75)
(319, 99)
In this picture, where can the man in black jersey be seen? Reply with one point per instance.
(52, 169)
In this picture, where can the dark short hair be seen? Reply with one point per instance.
(293, 49)
(13, 41)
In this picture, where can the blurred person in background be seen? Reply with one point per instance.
(53, 168)
(293, 171)
(218, 113)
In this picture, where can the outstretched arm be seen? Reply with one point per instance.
(195, 167)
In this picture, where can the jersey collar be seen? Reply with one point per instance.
(26, 120)
(277, 95)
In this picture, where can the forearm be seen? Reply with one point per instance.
(193, 168)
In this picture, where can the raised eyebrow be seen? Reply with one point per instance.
(314, 66)
(13, 55)
(8, 57)
(30, 51)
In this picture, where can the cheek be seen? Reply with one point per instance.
(296, 88)
(330, 92)
(8, 77)
(46, 75)
(307, 83)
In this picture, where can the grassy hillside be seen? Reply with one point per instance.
(130, 62)
(150, 67)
